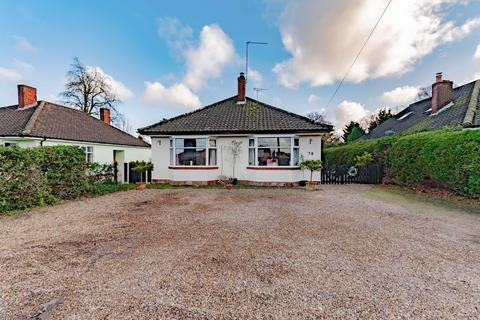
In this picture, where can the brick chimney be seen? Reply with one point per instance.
(442, 93)
(241, 89)
(105, 115)
(27, 96)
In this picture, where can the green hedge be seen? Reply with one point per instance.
(38, 176)
(446, 159)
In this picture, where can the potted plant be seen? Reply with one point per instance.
(142, 167)
(222, 180)
(312, 165)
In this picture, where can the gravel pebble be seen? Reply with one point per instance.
(341, 253)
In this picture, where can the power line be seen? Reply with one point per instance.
(359, 52)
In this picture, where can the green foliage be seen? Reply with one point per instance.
(364, 159)
(352, 132)
(379, 117)
(142, 167)
(104, 187)
(39, 176)
(448, 159)
(445, 159)
(312, 165)
(100, 172)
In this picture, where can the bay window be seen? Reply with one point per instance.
(193, 152)
(273, 151)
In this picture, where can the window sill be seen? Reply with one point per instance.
(193, 167)
(272, 168)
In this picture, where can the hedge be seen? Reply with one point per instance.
(39, 176)
(445, 159)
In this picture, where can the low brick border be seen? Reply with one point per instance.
(212, 182)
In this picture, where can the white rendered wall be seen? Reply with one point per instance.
(102, 153)
(310, 148)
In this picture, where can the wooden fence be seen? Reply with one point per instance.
(370, 174)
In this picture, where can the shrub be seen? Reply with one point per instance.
(445, 159)
(364, 159)
(22, 182)
(100, 172)
(39, 176)
(448, 159)
(312, 165)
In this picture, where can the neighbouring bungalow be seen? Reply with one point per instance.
(238, 137)
(32, 123)
(448, 107)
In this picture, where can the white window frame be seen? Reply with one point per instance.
(292, 149)
(173, 149)
(87, 153)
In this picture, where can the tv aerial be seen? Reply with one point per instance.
(257, 90)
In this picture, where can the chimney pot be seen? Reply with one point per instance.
(442, 93)
(105, 115)
(27, 96)
(241, 89)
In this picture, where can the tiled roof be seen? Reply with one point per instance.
(226, 116)
(417, 116)
(49, 120)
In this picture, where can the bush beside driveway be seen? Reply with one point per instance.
(345, 252)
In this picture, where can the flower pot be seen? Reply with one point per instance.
(229, 187)
(311, 186)
(141, 185)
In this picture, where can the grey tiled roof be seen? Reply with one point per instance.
(227, 116)
(49, 120)
(420, 117)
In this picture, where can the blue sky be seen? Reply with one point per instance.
(165, 58)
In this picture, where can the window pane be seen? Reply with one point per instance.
(251, 142)
(212, 143)
(296, 142)
(274, 156)
(251, 156)
(89, 149)
(190, 143)
(171, 157)
(171, 143)
(274, 142)
(190, 157)
(212, 157)
(296, 156)
(89, 157)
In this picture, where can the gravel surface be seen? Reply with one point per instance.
(346, 252)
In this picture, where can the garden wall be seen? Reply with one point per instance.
(445, 159)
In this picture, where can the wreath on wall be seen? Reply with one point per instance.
(353, 171)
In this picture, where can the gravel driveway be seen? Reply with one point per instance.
(347, 252)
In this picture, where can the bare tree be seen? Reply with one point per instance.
(317, 117)
(423, 93)
(88, 90)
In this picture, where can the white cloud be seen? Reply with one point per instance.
(120, 89)
(207, 61)
(348, 111)
(23, 43)
(204, 61)
(324, 36)
(23, 65)
(400, 95)
(176, 95)
(10, 74)
(312, 98)
(477, 52)
(255, 76)
(177, 35)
